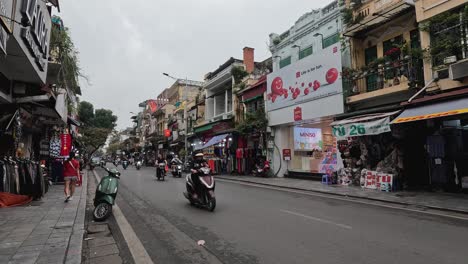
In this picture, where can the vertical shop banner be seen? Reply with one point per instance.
(307, 139)
(152, 106)
(378, 181)
(65, 145)
(313, 77)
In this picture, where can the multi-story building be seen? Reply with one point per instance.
(305, 94)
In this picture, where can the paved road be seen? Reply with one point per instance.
(257, 225)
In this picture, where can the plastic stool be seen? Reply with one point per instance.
(327, 180)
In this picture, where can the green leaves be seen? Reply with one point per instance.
(253, 122)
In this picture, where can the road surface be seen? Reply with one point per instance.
(259, 225)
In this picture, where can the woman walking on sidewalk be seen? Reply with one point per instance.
(71, 170)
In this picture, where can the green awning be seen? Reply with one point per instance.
(203, 128)
(253, 98)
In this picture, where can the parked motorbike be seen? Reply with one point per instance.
(262, 171)
(206, 198)
(105, 195)
(161, 171)
(125, 164)
(138, 165)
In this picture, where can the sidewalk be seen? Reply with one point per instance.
(440, 201)
(47, 231)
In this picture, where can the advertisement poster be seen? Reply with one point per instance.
(374, 127)
(307, 139)
(378, 181)
(311, 78)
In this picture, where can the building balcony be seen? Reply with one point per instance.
(362, 15)
(382, 79)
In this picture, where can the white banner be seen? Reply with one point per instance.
(374, 127)
(313, 77)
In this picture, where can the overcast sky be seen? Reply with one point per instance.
(126, 45)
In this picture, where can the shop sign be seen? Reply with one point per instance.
(287, 154)
(378, 181)
(374, 127)
(36, 35)
(66, 145)
(314, 77)
(307, 139)
(430, 116)
(298, 114)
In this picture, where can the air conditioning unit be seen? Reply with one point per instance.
(458, 71)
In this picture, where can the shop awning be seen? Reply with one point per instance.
(203, 128)
(73, 121)
(435, 110)
(213, 141)
(373, 124)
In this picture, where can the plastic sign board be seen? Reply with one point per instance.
(287, 154)
(357, 129)
(298, 114)
(378, 181)
(307, 139)
(313, 77)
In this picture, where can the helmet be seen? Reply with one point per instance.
(199, 155)
(176, 156)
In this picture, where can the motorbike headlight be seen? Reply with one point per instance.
(179, 167)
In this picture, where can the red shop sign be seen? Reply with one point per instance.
(65, 144)
(286, 154)
(297, 114)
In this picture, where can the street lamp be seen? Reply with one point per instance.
(321, 35)
(185, 110)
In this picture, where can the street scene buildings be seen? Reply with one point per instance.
(347, 143)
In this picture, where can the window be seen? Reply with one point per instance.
(255, 106)
(285, 62)
(330, 40)
(392, 43)
(305, 52)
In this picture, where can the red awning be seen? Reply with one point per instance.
(257, 89)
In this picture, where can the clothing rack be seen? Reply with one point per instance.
(21, 176)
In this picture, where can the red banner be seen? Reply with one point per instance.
(167, 132)
(298, 114)
(65, 144)
(152, 105)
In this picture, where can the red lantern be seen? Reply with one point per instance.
(167, 132)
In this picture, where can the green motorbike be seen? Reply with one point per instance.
(105, 195)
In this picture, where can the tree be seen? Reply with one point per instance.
(256, 122)
(93, 138)
(86, 112)
(103, 118)
(112, 149)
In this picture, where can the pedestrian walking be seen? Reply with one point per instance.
(71, 170)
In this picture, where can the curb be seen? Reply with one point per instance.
(75, 244)
(350, 196)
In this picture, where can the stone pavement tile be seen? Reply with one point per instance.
(16, 238)
(24, 258)
(112, 259)
(35, 240)
(60, 235)
(5, 258)
(58, 240)
(57, 246)
(50, 260)
(103, 251)
(100, 241)
(5, 245)
(8, 251)
(30, 248)
(97, 228)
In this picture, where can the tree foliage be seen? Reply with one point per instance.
(104, 118)
(61, 45)
(253, 123)
(86, 112)
(93, 138)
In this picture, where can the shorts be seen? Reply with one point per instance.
(70, 178)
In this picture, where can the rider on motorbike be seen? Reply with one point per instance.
(159, 161)
(198, 162)
(176, 160)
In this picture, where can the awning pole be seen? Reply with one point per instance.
(423, 89)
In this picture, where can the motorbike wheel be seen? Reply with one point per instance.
(212, 204)
(102, 211)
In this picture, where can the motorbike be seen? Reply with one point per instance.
(138, 165)
(177, 170)
(125, 164)
(262, 171)
(206, 198)
(161, 171)
(106, 192)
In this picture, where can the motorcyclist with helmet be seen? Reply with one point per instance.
(198, 162)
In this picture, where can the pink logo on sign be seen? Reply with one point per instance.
(298, 74)
(335, 49)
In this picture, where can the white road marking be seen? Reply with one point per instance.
(348, 199)
(317, 219)
(138, 251)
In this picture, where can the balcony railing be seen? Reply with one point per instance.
(405, 73)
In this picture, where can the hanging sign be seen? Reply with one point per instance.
(287, 154)
(65, 145)
(374, 127)
(378, 181)
(297, 114)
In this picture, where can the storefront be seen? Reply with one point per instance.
(217, 152)
(371, 152)
(303, 99)
(434, 136)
